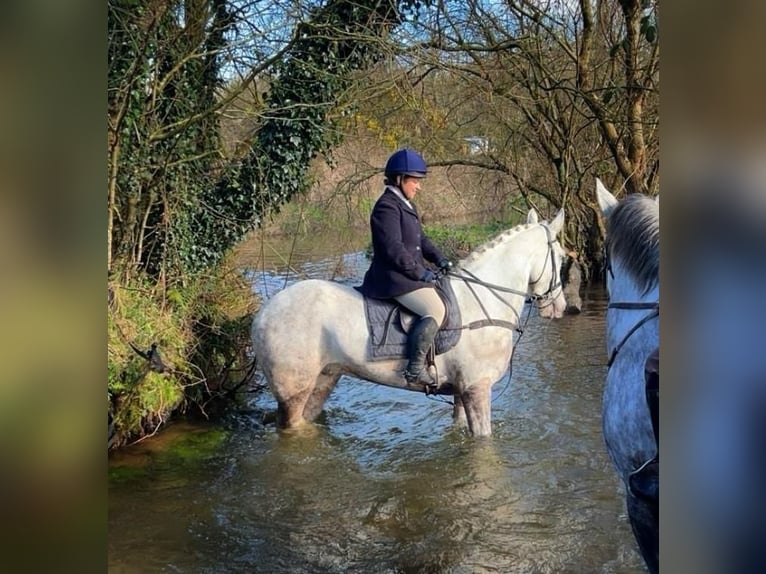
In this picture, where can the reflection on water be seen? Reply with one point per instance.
(273, 263)
(384, 485)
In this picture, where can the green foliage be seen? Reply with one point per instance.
(177, 206)
(457, 241)
(304, 91)
(164, 72)
(140, 398)
(200, 331)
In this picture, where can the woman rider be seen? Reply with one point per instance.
(399, 251)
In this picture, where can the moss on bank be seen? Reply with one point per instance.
(180, 446)
(173, 349)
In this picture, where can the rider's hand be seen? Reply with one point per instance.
(429, 276)
(445, 264)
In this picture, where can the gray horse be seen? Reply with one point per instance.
(314, 331)
(632, 333)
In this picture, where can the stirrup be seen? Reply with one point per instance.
(430, 385)
(423, 377)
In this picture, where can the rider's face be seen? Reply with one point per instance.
(410, 186)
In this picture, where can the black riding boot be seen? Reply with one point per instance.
(420, 339)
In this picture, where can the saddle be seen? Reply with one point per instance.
(388, 323)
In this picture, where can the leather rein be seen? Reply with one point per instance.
(654, 311)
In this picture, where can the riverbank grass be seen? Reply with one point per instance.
(174, 350)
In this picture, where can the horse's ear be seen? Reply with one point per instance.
(532, 216)
(606, 201)
(558, 223)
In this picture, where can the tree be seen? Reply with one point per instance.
(562, 92)
(179, 196)
(164, 76)
(177, 200)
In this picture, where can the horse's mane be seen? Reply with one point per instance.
(501, 237)
(633, 237)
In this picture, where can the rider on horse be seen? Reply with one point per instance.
(400, 249)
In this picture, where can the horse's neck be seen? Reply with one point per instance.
(623, 289)
(507, 266)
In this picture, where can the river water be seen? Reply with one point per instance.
(383, 484)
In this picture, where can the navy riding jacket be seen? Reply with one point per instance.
(399, 250)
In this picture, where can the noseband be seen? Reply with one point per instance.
(555, 278)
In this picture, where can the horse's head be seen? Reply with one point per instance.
(632, 241)
(545, 277)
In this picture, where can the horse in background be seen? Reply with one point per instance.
(314, 331)
(630, 426)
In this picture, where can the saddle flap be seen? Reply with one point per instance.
(388, 324)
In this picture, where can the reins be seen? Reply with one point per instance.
(489, 321)
(654, 312)
(468, 278)
(494, 322)
(493, 288)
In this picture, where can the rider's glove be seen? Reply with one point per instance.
(429, 276)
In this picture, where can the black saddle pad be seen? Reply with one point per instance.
(387, 321)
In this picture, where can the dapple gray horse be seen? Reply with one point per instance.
(314, 331)
(632, 339)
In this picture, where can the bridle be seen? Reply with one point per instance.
(652, 306)
(468, 278)
(555, 276)
(654, 311)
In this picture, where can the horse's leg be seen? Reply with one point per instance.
(476, 402)
(325, 383)
(290, 411)
(458, 413)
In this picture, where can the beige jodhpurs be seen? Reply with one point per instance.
(424, 302)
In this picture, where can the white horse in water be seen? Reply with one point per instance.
(632, 333)
(311, 333)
